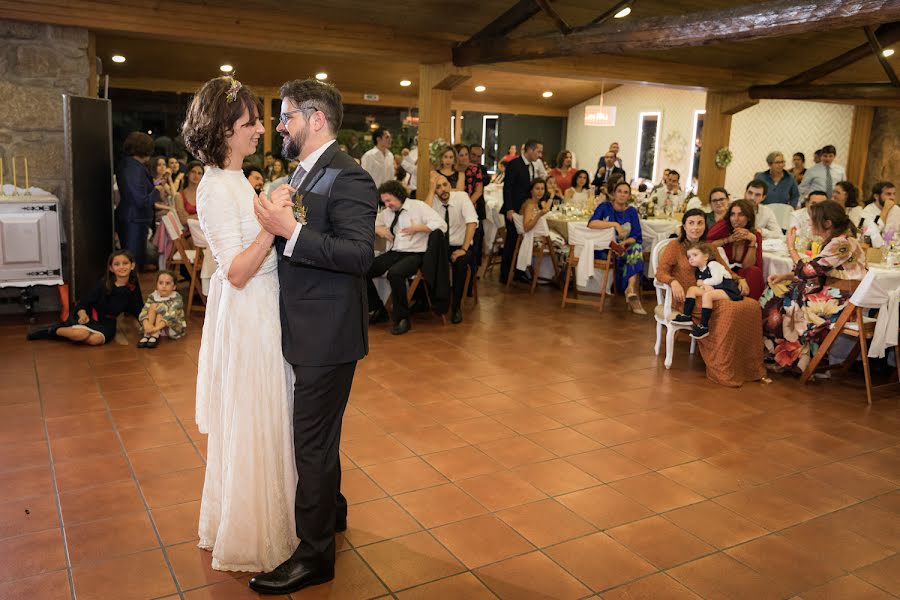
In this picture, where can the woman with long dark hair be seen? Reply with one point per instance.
(737, 235)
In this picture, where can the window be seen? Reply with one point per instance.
(696, 147)
(648, 145)
(490, 135)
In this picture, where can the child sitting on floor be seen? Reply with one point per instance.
(163, 312)
(714, 282)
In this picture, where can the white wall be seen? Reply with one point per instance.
(787, 126)
(677, 108)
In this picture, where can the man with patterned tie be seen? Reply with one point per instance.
(823, 175)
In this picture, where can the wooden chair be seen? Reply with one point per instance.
(181, 255)
(495, 256)
(543, 247)
(599, 239)
(862, 328)
(414, 282)
(202, 246)
(664, 313)
(469, 273)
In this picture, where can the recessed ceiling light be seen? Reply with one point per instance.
(887, 52)
(480, 88)
(118, 58)
(623, 13)
(406, 83)
(226, 68)
(547, 94)
(149, 132)
(321, 76)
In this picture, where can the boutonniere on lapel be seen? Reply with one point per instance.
(299, 209)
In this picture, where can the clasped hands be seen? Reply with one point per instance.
(276, 213)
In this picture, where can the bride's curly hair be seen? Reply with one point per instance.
(211, 117)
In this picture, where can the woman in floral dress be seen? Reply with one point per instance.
(799, 308)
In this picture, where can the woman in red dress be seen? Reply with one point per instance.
(737, 235)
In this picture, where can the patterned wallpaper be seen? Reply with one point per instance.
(785, 125)
(677, 108)
(788, 126)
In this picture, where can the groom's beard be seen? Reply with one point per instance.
(291, 148)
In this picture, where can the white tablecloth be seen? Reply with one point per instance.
(655, 230)
(776, 262)
(493, 200)
(881, 289)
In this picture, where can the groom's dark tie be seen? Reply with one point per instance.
(297, 177)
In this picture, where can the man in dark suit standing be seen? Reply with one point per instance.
(137, 196)
(324, 227)
(519, 173)
(607, 170)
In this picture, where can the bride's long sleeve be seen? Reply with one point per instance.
(221, 222)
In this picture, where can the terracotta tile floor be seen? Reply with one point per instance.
(531, 452)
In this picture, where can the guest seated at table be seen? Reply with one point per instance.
(564, 171)
(628, 245)
(500, 175)
(536, 205)
(800, 217)
(606, 170)
(766, 221)
(800, 308)
(579, 192)
(742, 243)
(670, 195)
(881, 212)
(718, 203)
(186, 199)
(846, 194)
(554, 195)
(733, 351)
(461, 219)
(406, 225)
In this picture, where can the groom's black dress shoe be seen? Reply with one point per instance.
(401, 327)
(291, 576)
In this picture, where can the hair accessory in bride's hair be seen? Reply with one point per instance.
(232, 93)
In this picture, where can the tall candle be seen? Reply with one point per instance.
(1, 175)
(27, 187)
(14, 175)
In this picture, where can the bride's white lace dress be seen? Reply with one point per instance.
(243, 399)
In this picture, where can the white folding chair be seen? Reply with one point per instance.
(782, 214)
(664, 313)
(202, 246)
(580, 236)
(183, 256)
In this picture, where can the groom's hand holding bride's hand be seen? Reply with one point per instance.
(276, 214)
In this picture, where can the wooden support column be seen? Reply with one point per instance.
(858, 155)
(435, 85)
(720, 107)
(267, 122)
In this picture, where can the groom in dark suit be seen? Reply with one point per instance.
(324, 223)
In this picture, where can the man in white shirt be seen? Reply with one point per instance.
(410, 165)
(824, 175)
(406, 225)
(800, 218)
(766, 222)
(379, 161)
(882, 211)
(670, 193)
(461, 219)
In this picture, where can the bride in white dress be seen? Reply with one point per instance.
(244, 399)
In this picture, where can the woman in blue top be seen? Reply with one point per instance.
(628, 245)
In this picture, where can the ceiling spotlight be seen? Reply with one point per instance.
(547, 94)
(405, 83)
(149, 132)
(226, 68)
(118, 58)
(480, 88)
(887, 52)
(623, 13)
(321, 76)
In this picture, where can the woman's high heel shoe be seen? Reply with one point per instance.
(634, 304)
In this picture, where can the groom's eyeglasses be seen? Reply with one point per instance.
(285, 117)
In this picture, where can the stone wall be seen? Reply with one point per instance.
(884, 149)
(38, 63)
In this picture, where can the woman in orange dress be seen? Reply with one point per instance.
(733, 351)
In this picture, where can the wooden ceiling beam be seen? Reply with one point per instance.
(835, 91)
(887, 34)
(876, 48)
(519, 13)
(746, 22)
(560, 23)
(232, 26)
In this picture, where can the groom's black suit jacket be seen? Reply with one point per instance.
(324, 312)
